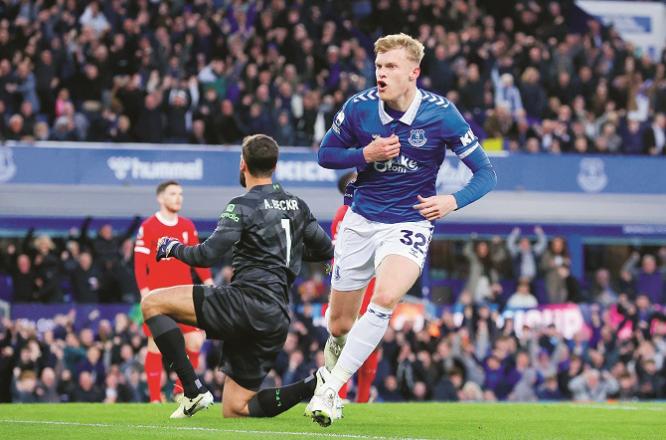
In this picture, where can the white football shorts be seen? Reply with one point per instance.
(362, 244)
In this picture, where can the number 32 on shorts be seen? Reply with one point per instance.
(417, 241)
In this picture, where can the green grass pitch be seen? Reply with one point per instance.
(374, 421)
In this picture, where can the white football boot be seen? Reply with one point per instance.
(325, 406)
(188, 407)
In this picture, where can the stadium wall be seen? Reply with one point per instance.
(59, 180)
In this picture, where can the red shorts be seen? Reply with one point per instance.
(183, 328)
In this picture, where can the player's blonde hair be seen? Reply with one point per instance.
(413, 46)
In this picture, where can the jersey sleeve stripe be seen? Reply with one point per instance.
(469, 151)
(141, 249)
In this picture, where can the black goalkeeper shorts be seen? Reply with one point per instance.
(253, 330)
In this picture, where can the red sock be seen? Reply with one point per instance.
(365, 376)
(153, 369)
(343, 391)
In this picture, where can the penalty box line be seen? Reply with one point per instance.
(197, 428)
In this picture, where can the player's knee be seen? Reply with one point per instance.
(339, 324)
(340, 327)
(384, 298)
(149, 306)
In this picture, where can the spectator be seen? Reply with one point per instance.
(555, 256)
(388, 391)
(46, 391)
(15, 129)
(602, 290)
(654, 137)
(86, 280)
(647, 280)
(532, 93)
(226, 127)
(123, 130)
(150, 123)
(198, 135)
(549, 390)
(483, 279)
(632, 138)
(507, 95)
(25, 387)
(87, 391)
(525, 255)
(93, 18)
(24, 279)
(594, 386)
(522, 298)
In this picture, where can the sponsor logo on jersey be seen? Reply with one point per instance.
(7, 166)
(400, 164)
(417, 138)
(124, 167)
(337, 123)
(467, 138)
(229, 213)
(591, 175)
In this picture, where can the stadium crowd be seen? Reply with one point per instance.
(522, 270)
(205, 71)
(481, 358)
(469, 352)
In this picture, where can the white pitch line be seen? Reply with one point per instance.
(196, 428)
(616, 407)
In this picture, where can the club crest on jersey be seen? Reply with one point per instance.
(417, 138)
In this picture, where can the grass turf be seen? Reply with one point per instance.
(375, 421)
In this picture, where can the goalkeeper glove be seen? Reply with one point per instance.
(165, 247)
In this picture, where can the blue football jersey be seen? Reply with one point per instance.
(386, 191)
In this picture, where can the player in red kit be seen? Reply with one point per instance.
(151, 275)
(366, 374)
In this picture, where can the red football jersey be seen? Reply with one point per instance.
(335, 226)
(337, 219)
(170, 271)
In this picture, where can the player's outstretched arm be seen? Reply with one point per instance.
(211, 251)
(317, 245)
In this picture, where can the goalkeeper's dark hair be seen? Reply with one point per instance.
(260, 153)
(163, 186)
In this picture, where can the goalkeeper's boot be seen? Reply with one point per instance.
(332, 350)
(325, 406)
(188, 407)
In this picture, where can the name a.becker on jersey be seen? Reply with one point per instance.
(283, 205)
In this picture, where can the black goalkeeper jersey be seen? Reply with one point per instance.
(270, 233)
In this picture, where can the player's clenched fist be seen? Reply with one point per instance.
(382, 148)
(164, 247)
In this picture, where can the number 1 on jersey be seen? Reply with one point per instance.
(287, 230)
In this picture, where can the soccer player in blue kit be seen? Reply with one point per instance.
(396, 136)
